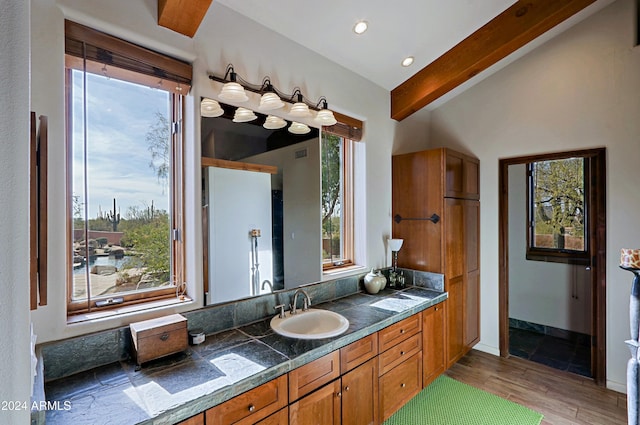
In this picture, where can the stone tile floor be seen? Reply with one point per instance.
(568, 355)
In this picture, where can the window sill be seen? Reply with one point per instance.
(126, 310)
(339, 271)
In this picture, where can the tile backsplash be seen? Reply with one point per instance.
(73, 355)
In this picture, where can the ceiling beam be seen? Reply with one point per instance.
(507, 32)
(183, 16)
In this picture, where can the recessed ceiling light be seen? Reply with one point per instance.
(407, 61)
(360, 27)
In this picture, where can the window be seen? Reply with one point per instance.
(557, 210)
(337, 201)
(124, 175)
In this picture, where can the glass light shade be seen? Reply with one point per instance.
(299, 128)
(274, 123)
(234, 92)
(210, 108)
(270, 101)
(325, 117)
(244, 115)
(300, 109)
(395, 244)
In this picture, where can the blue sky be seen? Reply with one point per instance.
(119, 116)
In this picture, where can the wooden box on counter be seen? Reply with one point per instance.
(159, 337)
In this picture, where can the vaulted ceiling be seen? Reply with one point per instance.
(452, 41)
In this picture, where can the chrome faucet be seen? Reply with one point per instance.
(267, 282)
(306, 302)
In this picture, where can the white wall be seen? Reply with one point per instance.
(224, 37)
(579, 90)
(14, 191)
(551, 294)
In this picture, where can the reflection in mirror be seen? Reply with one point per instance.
(262, 212)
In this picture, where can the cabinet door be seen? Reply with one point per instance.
(321, 407)
(472, 280)
(455, 319)
(417, 193)
(360, 395)
(462, 176)
(433, 353)
(454, 277)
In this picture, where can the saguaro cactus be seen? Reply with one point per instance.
(113, 217)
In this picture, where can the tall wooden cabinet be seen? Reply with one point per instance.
(436, 210)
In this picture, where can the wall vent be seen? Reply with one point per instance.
(302, 153)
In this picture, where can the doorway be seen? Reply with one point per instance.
(578, 264)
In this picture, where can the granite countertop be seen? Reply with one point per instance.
(168, 390)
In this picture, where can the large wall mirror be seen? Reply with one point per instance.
(261, 206)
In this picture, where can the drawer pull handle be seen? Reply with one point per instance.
(164, 337)
(252, 408)
(402, 353)
(437, 308)
(339, 394)
(401, 331)
(403, 385)
(346, 388)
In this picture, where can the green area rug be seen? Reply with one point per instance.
(449, 402)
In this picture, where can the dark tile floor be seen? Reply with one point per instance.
(572, 356)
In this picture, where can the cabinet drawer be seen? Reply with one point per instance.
(399, 385)
(399, 353)
(252, 406)
(358, 352)
(313, 375)
(392, 335)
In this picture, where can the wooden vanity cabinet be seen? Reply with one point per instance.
(361, 384)
(445, 183)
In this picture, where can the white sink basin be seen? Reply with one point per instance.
(310, 324)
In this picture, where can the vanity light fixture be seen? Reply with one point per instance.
(274, 123)
(244, 115)
(298, 128)
(407, 61)
(360, 27)
(210, 108)
(234, 89)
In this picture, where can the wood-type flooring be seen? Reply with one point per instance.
(562, 397)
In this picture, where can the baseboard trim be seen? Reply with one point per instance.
(487, 349)
(617, 386)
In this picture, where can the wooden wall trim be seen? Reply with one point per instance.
(237, 165)
(597, 234)
(182, 16)
(503, 35)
